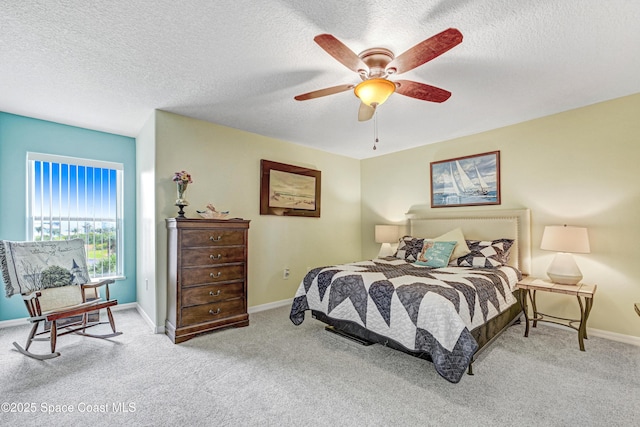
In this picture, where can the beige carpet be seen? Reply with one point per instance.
(273, 373)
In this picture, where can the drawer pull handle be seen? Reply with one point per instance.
(214, 312)
(216, 294)
(215, 275)
(215, 239)
(215, 257)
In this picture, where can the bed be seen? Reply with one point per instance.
(448, 314)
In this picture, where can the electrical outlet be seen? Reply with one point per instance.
(285, 273)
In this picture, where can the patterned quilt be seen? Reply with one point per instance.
(424, 309)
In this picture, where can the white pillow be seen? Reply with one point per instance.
(461, 248)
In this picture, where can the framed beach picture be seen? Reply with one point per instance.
(288, 190)
(466, 181)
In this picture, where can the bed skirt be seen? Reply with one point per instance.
(483, 334)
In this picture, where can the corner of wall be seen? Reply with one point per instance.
(145, 220)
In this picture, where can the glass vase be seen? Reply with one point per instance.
(181, 187)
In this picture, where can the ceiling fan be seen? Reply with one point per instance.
(375, 66)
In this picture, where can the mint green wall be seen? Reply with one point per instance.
(18, 135)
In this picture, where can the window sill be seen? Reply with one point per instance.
(99, 279)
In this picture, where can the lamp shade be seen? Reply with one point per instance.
(564, 238)
(374, 92)
(387, 233)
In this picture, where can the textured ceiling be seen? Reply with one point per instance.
(106, 65)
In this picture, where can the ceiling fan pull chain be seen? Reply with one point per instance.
(375, 129)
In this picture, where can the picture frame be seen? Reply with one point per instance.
(287, 190)
(466, 181)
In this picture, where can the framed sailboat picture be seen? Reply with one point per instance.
(466, 181)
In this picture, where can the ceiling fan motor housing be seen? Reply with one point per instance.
(376, 59)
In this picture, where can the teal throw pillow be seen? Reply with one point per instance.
(435, 254)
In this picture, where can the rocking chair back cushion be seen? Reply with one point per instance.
(56, 268)
(62, 297)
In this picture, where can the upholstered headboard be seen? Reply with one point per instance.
(480, 225)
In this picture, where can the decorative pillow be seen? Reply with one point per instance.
(435, 253)
(409, 248)
(461, 248)
(486, 254)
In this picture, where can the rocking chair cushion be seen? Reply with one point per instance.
(56, 298)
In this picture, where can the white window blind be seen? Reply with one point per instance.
(78, 198)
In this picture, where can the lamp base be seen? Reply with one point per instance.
(385, 250)
(564, 280)
(564, 270)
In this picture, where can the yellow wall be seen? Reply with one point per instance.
(225, 166)
(580, 167)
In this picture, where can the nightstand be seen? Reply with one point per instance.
(583, 292)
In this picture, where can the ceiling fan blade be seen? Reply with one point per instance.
(323, 92)
(421, 91)
(365, 112)
(425, 51)
(342, 53)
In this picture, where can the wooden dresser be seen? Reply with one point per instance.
(206, 276)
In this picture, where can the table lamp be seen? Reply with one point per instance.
(386, 234)
(565, 240)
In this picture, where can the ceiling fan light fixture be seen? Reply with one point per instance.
(374, 92)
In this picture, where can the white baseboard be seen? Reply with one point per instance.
(124, 306)
(23, 320)
(270, 305)
(254, 309)
(612, 336)
(13, 322)
(154, 328)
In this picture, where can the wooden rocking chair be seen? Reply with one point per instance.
(53, 279)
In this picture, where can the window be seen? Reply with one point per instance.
(78, 198)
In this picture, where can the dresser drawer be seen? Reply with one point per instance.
(191, 276)
(212, 237)
(211, 293)
(211, 312)
(208, 256)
